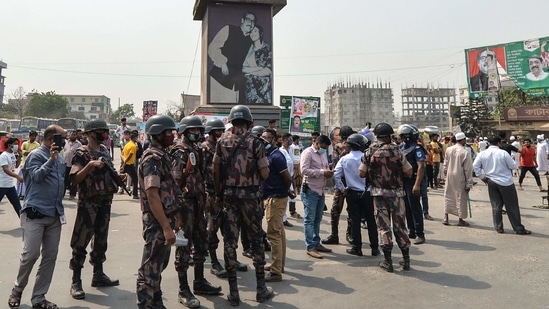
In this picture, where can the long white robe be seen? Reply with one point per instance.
(541, 157)
(459, 175)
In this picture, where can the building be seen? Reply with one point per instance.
(190, 102)
(427, 106)
(356, 104)
(93, 106)
(3, 65)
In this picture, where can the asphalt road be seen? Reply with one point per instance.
(457, 267)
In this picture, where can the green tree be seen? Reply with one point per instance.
(177, 112)
(47, 105)
(476, 118)
(514, 97)
(125, 110)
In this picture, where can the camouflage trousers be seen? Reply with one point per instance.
(335, 213)
(213, 210)
(247, 213)
(92, 220)
(156, 256)
(193, 224)
(387, 209)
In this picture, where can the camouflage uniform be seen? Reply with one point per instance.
(155, 171)
(241, 198)
(189, 178)
(337, 204)
(385, 164)
(208, 148)
(95, 194)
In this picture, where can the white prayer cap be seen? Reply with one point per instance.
(512, 138)
(541, 137)
(460, 136)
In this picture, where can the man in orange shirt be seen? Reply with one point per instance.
(437, 153)
(527, 162)
(129, 154)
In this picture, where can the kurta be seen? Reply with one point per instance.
(458, 166)
(541, 157)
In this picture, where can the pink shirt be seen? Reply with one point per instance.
(313, 166)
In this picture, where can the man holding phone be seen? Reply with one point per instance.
(315, 170)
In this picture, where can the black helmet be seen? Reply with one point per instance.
(214, 124)
(383, 129)
(408, 130)
(158, 124)
(345, 132)
(190, 122)
(240, 112)
(96, 125)
(258, 130)
(357, 140)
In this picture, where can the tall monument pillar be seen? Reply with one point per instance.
(237, 56)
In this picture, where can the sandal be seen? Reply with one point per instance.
(445, 222)
(45, 304)
(463, 223)
(15, 299)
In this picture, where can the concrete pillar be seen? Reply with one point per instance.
(237, 56)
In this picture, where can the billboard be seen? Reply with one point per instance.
(526, 113)
(304, 115)
(205, 117)
(525, 62)
(150, 109)
(239, 54)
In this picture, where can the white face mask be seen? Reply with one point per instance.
(15, 148)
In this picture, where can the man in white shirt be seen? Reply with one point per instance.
(493, 166)
(9, 163)
(515, 143)
(295, 154)
(70, 149)
(542, 153)
(120, 131)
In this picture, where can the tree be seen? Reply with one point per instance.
(514, 97)
(125, 110)
(176, 111)
(17, 100)
(47, 105)
(475, 118)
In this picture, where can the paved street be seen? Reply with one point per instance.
(458, 267)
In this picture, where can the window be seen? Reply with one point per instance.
(83, 100)
(72, 99)
(93, 109)
(96, 100)
(81, 108)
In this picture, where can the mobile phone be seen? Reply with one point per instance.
(58, 140)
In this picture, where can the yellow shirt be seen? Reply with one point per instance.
(26, 148)
(436, 152)
(129, 148)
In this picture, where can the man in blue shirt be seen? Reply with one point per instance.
(274, 190)
(415, 154)
(41, 217)
(356, 195)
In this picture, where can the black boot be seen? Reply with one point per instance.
(233, 297)
(333, 239)
(185, 295)
(349, 234)
(405, 262)
(201, 286)
(76, 287)
(157, 302)
(387, 264)
(264, 292)
(100, 279)
(217, 269)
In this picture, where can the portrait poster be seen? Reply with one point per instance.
(150, 109)
(239, 52)
(304, 116)
(205, 117)
(525, 62)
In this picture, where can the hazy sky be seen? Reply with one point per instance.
(145, 50)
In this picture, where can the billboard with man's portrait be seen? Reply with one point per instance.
(240, 55)
(304, 115)
(525, 62)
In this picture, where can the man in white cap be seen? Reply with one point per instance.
(515, 143)
(458, 167)
(483, 144)
(541, 155)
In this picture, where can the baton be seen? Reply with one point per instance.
(469, 203)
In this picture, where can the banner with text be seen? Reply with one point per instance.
(525, 62)
(304, 115)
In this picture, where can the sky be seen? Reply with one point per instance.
(132, 51)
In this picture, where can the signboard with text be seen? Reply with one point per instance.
(526, 113)
(304, 115)
(525, 62)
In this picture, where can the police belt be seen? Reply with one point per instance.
(357, 192)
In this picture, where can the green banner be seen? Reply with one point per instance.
(285, 119)
(285, 101)
(304, 117)
(526, 63)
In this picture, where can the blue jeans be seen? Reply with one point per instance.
(313, 205)
(13, 197)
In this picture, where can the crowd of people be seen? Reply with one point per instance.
(212, 180)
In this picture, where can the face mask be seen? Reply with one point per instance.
(100, 136)
(268, 146)
(322, 151)
(278, 145)
(194, 137)
(167, 140)
(14, 148)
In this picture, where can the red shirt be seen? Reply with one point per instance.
(528, 157)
